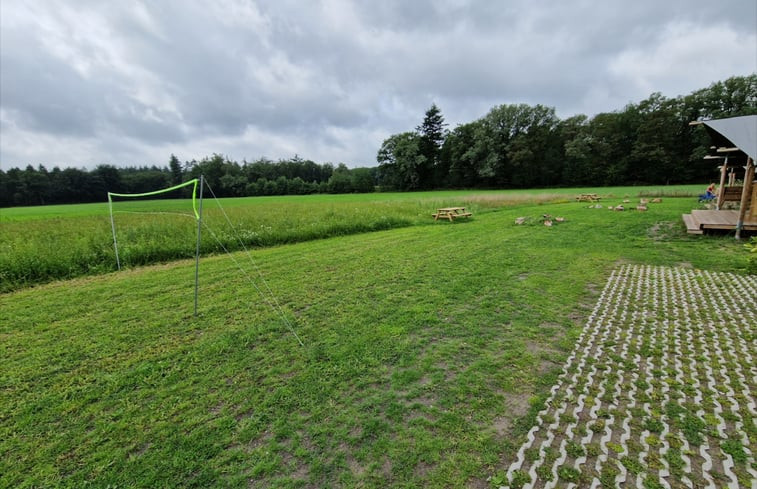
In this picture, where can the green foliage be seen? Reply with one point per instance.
(575, 449)
(652, 483)
(522, 146)
(735, 449)
(568, 474)
(751, 247)
(607, 476)
(519, 479)
(432, 134)
(401, 163)
(693, 427)
(227, 178)
(653, 424)
(632, 464)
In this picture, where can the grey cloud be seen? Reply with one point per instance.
(321, 76)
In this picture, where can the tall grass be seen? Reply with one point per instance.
(38, 251)
(42, 244)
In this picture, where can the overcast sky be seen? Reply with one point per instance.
(128, 83)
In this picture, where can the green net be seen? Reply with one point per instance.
(148, 229)
(192, 182)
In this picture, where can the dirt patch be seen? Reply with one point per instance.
(425, 401)
(243, 414)
(422, 469)
(386, 469)
(356, 432)
(449, 372)
(515, 407)
(259, 442)
(593, 289)
(662, 230)
(478, 483)
(355, 467)
(295, 467)
(579, 317)
(502, 425)
(546, 356)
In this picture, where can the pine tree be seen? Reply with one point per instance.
(432, 134)
(176, 171)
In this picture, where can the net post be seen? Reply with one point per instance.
(113, 228)
(197, 252)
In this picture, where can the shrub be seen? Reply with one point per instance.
(751, 265)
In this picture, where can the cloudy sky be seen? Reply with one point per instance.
(128, 83)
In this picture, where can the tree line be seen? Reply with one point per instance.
(227, 178)
(512, 146)
(524, 146)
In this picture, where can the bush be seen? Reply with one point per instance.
(751, 265)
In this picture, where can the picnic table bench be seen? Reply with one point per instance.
(588, 198)
(450, 213)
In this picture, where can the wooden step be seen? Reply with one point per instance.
(692, 225)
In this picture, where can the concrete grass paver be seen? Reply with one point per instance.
(659, 391)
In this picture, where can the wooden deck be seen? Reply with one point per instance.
(700, 220)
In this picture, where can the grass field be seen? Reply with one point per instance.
(41, 244)
(428, 350)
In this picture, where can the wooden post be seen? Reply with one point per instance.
(721, 189)
(746, 192)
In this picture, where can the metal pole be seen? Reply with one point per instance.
(113, 227)
(197, 253)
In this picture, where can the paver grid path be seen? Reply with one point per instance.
(659, 390)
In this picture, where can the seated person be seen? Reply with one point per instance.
(709, 194)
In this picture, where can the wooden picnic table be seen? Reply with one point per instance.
(450, 213)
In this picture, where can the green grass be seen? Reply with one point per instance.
(101, 209)
(429, 349)
(41, 244)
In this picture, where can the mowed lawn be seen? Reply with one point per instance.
(428, 350)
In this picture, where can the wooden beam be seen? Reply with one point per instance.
(721, 189)
(728, 150)
(745, 194)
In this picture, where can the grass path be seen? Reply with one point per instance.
(659, 390)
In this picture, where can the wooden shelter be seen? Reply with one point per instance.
(735, 142)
